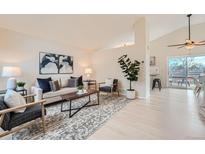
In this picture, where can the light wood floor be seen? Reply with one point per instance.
(169, 114)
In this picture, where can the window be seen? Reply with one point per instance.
(183, 71)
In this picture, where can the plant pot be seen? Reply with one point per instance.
(80, 92)
(20, 88)
(130, 94)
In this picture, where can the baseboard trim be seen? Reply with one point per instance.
(137, 97)
(140, 97)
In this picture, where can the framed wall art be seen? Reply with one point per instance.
(51, 63)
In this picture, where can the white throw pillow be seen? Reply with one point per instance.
(64, 82)
(14, 99)
(109, 82)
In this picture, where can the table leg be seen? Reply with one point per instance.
(70, 109)
(61, 106)
(98, 93)
(79, 108)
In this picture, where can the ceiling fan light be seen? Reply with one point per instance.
(190, 46)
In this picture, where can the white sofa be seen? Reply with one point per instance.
(51, 96)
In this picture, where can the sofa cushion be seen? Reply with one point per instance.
(72, 82)
(44, 84)
(59, 92)
(64, 82)
(55, 86)
(79, 79)
(31, 113)
(5, 123)
(56, 78)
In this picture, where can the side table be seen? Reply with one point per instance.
(90, 83)
(23, 92)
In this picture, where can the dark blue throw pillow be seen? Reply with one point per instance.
(44, 84)
(79, 80)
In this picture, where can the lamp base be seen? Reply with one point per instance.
(11, 84)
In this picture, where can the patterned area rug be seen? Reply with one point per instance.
(83, 124)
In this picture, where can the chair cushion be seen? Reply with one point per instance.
(14, 99)
(44, 84)
(30, 114)
(105, 89)
(109, 82)
(5, 123)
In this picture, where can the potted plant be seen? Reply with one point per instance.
(20, 85)
(80, 89)
(131, 70)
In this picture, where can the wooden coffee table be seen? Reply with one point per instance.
(74, 96)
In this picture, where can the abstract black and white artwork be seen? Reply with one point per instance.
(50, 63)
(65, 64)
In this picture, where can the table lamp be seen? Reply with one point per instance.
(88, 72)
(11, 72)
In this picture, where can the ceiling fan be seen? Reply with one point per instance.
(189, 44)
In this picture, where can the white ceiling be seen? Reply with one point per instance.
(163, 24)
(93, 32)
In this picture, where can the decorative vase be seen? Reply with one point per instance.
(130, 94)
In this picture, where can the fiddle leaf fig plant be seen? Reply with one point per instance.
(130, 69)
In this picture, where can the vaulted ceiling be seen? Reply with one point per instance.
(93, 32)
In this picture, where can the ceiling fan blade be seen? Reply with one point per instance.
(201, 41)
(181, 47)
(175, 45)
(199, 44)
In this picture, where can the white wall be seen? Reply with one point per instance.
(106, 66)
(159, 47)
(23, 50)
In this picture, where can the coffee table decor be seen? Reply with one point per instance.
(81, 126)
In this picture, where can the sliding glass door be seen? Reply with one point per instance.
(184, 71)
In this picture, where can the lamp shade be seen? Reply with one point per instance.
(88, 71)
(11, 71)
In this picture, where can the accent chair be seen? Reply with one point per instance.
(109, 88)
(11, 122)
